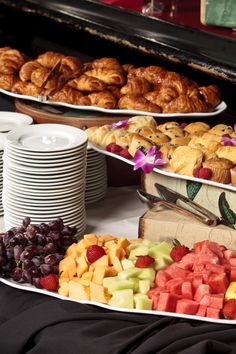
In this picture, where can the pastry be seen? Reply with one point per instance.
(128, 67)
(185, 104)
(168, 125)
(134, 102)
(98, 135)
(27, 69)
(228, 152)
(7, 81)
(161, 96)
(25, 88)
(180, 141)
(70, 66)
(138, 142)
(41, 74)
(104, 99)
(154, 135)
(107, 75)
(136, 72)
(220, 169)
(68, 95)
(155, 74)
(136, 86)
(233, 175)
(196, 127)
(11, 61)
(138, 122)
(221, 129)
(115, 90)
(49, 59)
(108, 63)
(185, 159)
(211, 94)
(173, 133)
(87, 83)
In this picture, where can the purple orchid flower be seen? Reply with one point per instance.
(149, 161)
(227, 140)
(120, 124)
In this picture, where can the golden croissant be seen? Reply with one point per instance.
(136, 86)
(7, 81)
(109, 76)
(49, 59)
(70, 66)
(212, 95)
(87, 83)
(155, 74)
(67, 95)
(27, 69)
(103, 99)
(25, 88)
(185, 104)
(162, 96)
(133, 102)
(108, 63)
(39, 75)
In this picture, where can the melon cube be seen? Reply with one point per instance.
(212, 312)
(205, 300)
(97, 293)
(196, 282)
(142, 302)
(202, 290)
(216, 301)
(186, 290)
(167, 302)
(201, 310)
(78, 291)
(177, 272)
(99, 274)
(232, 262)
(122, 298)
(186, 306)
(162, 278)
(187, 261)
(218, 283)
(233, 274)
(174, 286)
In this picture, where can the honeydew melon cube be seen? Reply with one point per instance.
(148, 243)
(107, 281)
(122, 298)
(142, 302)
(127, 263)
(147, 273)
(138, 251)
(129, 273)
(144, 286)
(135, 284)
(120, 284)
(163, 250)
(161, 263)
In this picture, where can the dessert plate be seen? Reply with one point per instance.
(28, 287)
(166, 173)
(220, 108)
(11, 120)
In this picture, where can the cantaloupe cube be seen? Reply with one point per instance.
(84, 282)
(110, 271)
(63, 279)
(92, 238)
(64, 289)
(117, 265)
(68, 267)
(114, 251)
(99, 274)
(102, 261)
(87, 275)
(106, 238)
(82, 266)
(78, 291)
(123, 242)
(71, 250)
(97, 293)
(82, 245)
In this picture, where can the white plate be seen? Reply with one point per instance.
(28, 287)
(165, 173)
(34, 177)
(217, 110)
(47, 197)
(43, 186)
(46, 137)
(44, 193)
(34, 163)
(11, 120)
(26, 208)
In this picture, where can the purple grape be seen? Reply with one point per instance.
(41, 240)
(37, 260)
(32, 230)
(56, 225)
(39, 250)
(27, 264)
(26, 254)
(3, 260)
(22, 240)
(44, 229)
(46, 269)
(7, 237)
(17, 250)
(26, 275)
(36, 283)
(2, 248)
(16, 274)
(17, 230)
(59, 256)
(55, 235)
(26, 221)
(35, 272)
(67, 240)
(51, 259)
(9, 254)
(50, 248)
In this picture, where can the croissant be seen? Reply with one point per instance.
(136, 86)
(108, 63)
(185, 104)
(67, 95)
(155, 74)
(49, 59)
(212, 94)
(7, 81)
(162, 96)
(115, 90)
(25, 88)
(10, 61)
(4, 49)
(134, 102)
(70, 66)
(87, 83)
(103, 99)
(100, 135)
(136, 72)
(109, 76)
(39, 75)
(128, 67)
(27, 69)
(14, 55)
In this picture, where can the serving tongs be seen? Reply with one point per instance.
(171, 199)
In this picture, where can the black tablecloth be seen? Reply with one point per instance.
(37, 324)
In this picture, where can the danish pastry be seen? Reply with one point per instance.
(138, 142)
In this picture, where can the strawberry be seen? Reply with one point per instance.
(202, 172)
(94, 252)
(183, 125)
(125, 153)
(229, 309)
(178, 252)
(49, 282)
(144, 261)
(114, 148)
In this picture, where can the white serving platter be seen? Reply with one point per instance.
(217, 110)
(28, 287)
(165, 173)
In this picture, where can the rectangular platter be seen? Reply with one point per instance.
(27, 287)
(219, 109)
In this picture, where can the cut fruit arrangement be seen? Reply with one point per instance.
(131, 274)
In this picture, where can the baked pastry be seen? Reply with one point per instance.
(185, 104)
(128, 67)
(68, 95)
(221, 129)
(180, 141)
(49, 59)
(212, 95)
(136, 86)
(70, 66)
(154, 135)
(220, 169)
(138, 142)
(107, 75)
(185, 159)
(155, 74)
(136, 72)
(87, 83)
(39, 75)
(136, 123)
(161, 96)
(196, 128)
(173, 133)
(27, 69)
(108, 63)
(11, 60)
(115, 90)
(104, 99)
(227, 152)
(7, 81)
(167, 151)
(99, 135)
(25, 88)
(233, 175)
(134, 102)
(168, 125)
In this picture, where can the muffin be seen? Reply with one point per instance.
(196, 128)
(233, 175)
(221, 129)
(227, 152)
(220, 169)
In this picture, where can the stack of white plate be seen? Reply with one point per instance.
(9, 121)
(44, 174)
(96, 176)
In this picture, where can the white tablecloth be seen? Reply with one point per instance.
(117, 214)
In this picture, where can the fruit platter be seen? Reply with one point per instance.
(140, 276)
